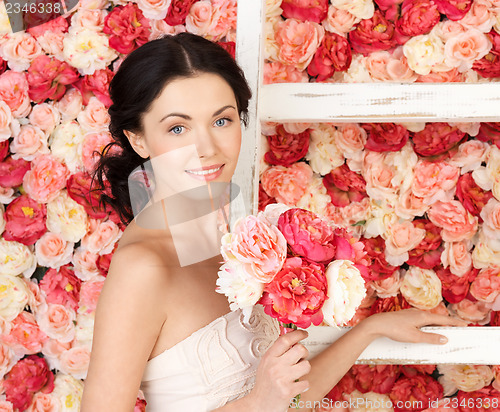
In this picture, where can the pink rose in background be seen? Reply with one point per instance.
(454, 9)
(305, 10)
(434, 181)
(28, 376)
(127, 28)
(471, 195)
(89, 294)
(286, 148)
(45, 116)
(350, 138)
(53, 251)
(223, 22)
(450, 76)
(378, 378)
(401, 238)
(57, 321)
(29, 142)
(385, 137)
(455, 288)
(486, 286)
(45, 178)
(388, 287)
(19, 49)
(263, 260)
(88, 18)
(456, 222)
(479, 16)
(339, 21)
(44, 402)
(298, 41)
(25, 336)
(97, 85)
(333, 55)
(25, 220)
(287, 185)
(93, 145)
(474, 312)
(75, 361)
(94, 117)
(344, 186)
(178, 11)
(296, 294)
(61, 286)
(70, 104)
(436, 138)
(84, 264)
(276, 72)
(307, 235)
(379, 175)
(199, 17)
(470, 154)
(59, 24)
(14, 91)
(427, 253)
(417, 17)
(101, 237)
(409, 205)
(48, 78)
(372, 35)
(491, 217)
(463, 50)
(419, 388)
(457, 256)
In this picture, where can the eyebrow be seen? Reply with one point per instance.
(185, 116)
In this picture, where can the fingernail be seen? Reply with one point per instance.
(305, 390)
(443, 339)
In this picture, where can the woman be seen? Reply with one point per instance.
(178, 103)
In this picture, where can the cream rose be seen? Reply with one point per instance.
(5, 121)
(95, 116)
(92, 19)
(400, 238)
(486, 252)
(85, 328)
(66, 217)
(154, 9)
(272, 212)
(70, 104)
(66, 144)
(389, 286)
(75, 362)
(44, 402)
(424, 52)
(470, 155)
(84, 263)
(69, 391)
(463, 50)
(13, 296)
(273, 8)
(323, 154)
(339, 21)
(53, 251)
(52, 44)
(16, 258)
(346, 291)
(467, 378)
(316, 198)
(421, 288)
(362, 9)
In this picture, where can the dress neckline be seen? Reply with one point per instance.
(191, 335)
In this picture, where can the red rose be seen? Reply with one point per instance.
(372, 34)
(305, 10)
(375, 378)
(454, 9)
(333, 55)
(378, 268)
(3, 65)
(489, 132)
(344, 186)
(229, 46)
(286, 148)
(103, 262)
(385, 137)
(140, 405)
(427, 254)
(436, 138)
(392, 304)
(345, 386)
(127, 27)
(97, 85)
(264, 198)
(489, 65)
(478, 400)
(62, 286)
(78, 186)
(48, 78)
(296, 294)
(419, 389)
(417, 17)
(60, 24)
(495, 318)
(4, 149)
(28, 376)
(12, 171)
(25, 220)
(412, 370)
(454, 288)
(471, 195)
(178, 11)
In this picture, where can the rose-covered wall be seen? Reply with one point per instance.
(424, 199)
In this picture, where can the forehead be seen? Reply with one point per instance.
(199, 93)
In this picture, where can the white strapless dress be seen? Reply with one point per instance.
(213, 366)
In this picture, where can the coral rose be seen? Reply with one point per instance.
(454, 9)
(471, 195)
(178, 11)
(456, 222)
(333, 55)
(378, 268)
(286, 148)
(45, 179)
(61, 286)
(305, 10)
(25, 220)
(417, 17)
(375, 378)
(400, 238)
(385, 137)
(463, 50)
(489, 132)
(486, 286)
(344, 186)
(419, 388)
(434, 181)
(427, 254)
(374, 34)
(296, 294)
(436, 138)
(287, 185)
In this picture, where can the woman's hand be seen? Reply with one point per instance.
(279, 368)
(403, 325)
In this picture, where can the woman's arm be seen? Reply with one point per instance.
(128, 320)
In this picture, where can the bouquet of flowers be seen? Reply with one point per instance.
(298, 266)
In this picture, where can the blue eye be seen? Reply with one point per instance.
(177, 129)
(221, 122)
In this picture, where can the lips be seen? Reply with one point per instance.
(205, 168)
(206, 173)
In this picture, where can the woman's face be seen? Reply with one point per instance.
(194, 124)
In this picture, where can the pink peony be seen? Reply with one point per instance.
(486, 286)
(417, 17)
(434, 180)
(385, 137)
(12, 171)
(178, 11)
(427, 254)
(455, 288)
(305, 10)
(454, 9)
(25, 336)
(296, 294)
(419, 388)
(333, 55)
(276, 72)
(14, 91)
(489, 65)
(287, 185)
(392, 304)
(471, 195)
(307, 235)
(344, 186)
(456, 222)
(436, 138)
(378, 268)
(45, 179)
(97, 85)
(25, 220)
(372, 35)
(286, 148)
(489, 132)
(260, 247)
(28, 376)
(127, 27)
(61, 286)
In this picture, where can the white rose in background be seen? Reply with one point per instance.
(421, 288)
(56, 321)
(66, 144)
(323, 154)
(467, 378)
(13, 296)
(316, 198)
(362, 9)
(346, 290)
(66, 217)
(424, 53)
(16, 259)
(69, 391)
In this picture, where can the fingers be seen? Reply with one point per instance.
(444, 320)
(300, 369)
(285, 342)
(295, 353)
(433, 338)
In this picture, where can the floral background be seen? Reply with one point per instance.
(423, 198)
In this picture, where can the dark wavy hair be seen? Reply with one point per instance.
(138, 82)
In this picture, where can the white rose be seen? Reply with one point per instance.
(273, 8)
(421, 288)
(16, 258)
(66, 144)
(357, 71)
(346, 290)
(486, 252)
(14, 296)
(88, 50)
(84, 328)
(66, 217)
(69, 391)
(84, 263)
(424, 52)
(362, 9)
(323, 154)
(382, 215)
(316, 198)
(272, 212)
(467, 378)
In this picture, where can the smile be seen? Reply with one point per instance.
(208, 174)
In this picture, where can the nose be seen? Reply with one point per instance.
(206, 145)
